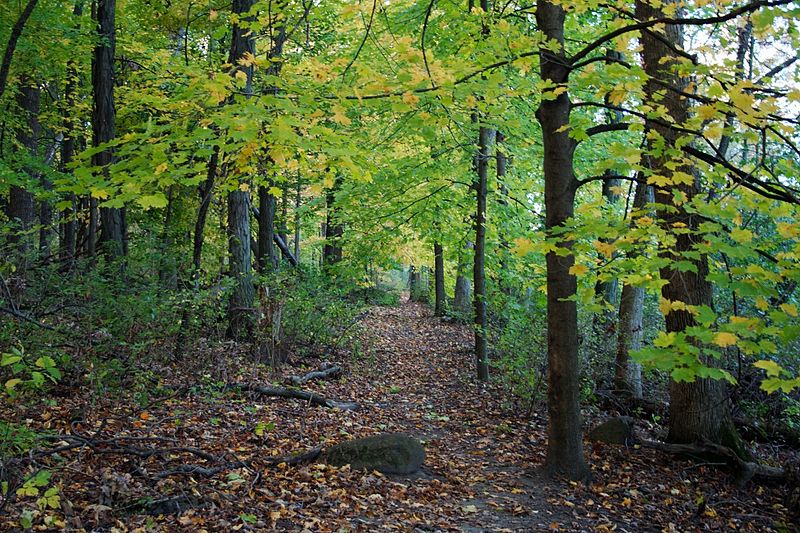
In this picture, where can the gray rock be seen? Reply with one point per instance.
(618, 430)
(389, 453)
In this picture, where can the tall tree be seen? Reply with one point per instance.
(438, 279)
(240, 306)
(112, 222)
(564, 444)
(699, 409)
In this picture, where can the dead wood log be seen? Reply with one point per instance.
(744, 470)
(328, 370)
(283, 392)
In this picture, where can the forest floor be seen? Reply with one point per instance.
(413, 374)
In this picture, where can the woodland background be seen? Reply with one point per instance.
(606, 193)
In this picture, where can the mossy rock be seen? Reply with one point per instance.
(617, 430)
(388, 453)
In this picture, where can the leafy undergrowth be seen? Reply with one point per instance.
(132, 467)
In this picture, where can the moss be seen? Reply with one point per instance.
(391, 453)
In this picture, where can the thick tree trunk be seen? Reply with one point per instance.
(438, 276)
(21, 209)
(241, 305)
(565, 445)
(628, 373)
(700, 409)
(112, 228)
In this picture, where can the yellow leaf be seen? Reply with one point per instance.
(213, 15)
(607, 249)
(724, 339)
(244, 187)
(578, 270)
(743, 236)
(772, 368)
(762, 303)
(522, 246)
(160, 169)
(339, 116)
(789, 309)
(787, 230)
(276, 192)
(410, 98)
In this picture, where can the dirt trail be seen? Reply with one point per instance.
(420, 378)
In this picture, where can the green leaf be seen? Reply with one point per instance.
(11, 383)
(684, 374)
(9, 359)
(772, 368)
(153, 200)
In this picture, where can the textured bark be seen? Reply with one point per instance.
(266, 257)
(11, 46)
(241, 305)
(699, 410)
(103, 121)
(564, 446)
(628, 373)
(21, 207)
(206, 192)
(438, 276)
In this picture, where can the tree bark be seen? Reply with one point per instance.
(21, 207)
(332, 252)
(479, 259)
(565, 445)
(112, 230)
(241, 305)
(68, 241)
(628, 373)
(297, 204)
(699, 410)
(267, 259)
(439, 279)
(463, 290)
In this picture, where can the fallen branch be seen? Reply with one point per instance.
(282, 392)
(327, 370)
(745, 470)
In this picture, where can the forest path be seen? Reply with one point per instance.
(420, 380)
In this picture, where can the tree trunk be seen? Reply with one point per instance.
(103, 118)
(241, 305)
(297, 204)
(463, 290)
(332, 252)
(68, 240)
(267, 259)
(700, 409)
(628, 373)
(565, 445)
(439, 279)
(11, 46)
(21, 209)
(479, 259)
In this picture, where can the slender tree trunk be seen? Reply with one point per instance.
(700, 409)
(168, 267)
(565, 445)
(284, 226)
(267, 258)
(11, 46)
(479, 259)
(438, 256)
(463, 290)
(103, 118)
(628, 373)
(332, 252)
(240, 311)
(297, 204)
(68, 240)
